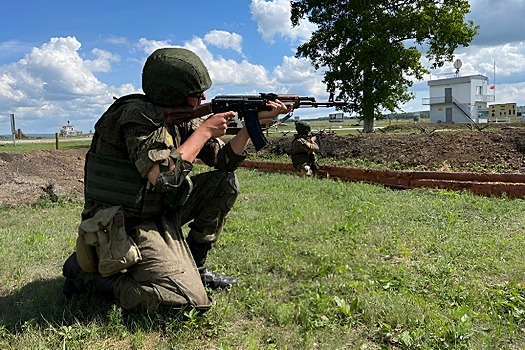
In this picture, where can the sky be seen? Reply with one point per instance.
(63, 61)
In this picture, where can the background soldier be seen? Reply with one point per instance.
(304, 146)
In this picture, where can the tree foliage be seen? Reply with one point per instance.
(371, 49)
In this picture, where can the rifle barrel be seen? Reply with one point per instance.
(323, 104)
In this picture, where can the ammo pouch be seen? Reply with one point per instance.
(103, 245)
(179, 194)
(113, 181)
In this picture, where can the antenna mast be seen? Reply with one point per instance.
(494, 84)
(457, 65)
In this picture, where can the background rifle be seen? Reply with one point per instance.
(319, 141)
(247, 107)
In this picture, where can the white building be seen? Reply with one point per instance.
(520, 111)
(69, 130)
(459, 99)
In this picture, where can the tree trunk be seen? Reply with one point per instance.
(368, 125)
(368, 102)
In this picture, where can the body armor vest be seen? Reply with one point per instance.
(112, 181)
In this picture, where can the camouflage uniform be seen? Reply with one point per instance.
(166, 272)
(304, 157)
(130, 245)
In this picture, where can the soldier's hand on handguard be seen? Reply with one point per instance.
(239, 141)
(277, 107)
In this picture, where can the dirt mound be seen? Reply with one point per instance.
(24, 178)
(462, 151)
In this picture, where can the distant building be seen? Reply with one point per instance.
(459, 99)
(502, 111)
(520, 111)
(69, 130)
(336, 117)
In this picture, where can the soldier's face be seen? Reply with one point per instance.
(196, 99)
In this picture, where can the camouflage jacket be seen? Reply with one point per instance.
(303, 151)
(133, 130)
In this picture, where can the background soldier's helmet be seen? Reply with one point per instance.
(302, 128)
(171, 74)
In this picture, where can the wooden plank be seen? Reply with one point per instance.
(494, 184)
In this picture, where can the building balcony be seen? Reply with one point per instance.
(441, 99)
(484, 98)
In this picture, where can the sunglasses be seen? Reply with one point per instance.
(197, 94)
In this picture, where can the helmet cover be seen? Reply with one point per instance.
(171, 74)
(302, 128)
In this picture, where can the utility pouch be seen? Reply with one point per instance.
(178, 196)
(114, 251)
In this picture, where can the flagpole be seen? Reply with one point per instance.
(494, 81)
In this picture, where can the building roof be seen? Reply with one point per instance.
(457, 80)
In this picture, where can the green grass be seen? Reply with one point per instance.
(322, 264)
(28, 147)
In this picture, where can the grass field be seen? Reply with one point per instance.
(21, 147)
(322, 265)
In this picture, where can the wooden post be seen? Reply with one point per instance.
(56, 140)
(12, 117)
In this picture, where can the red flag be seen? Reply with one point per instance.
(491, 87)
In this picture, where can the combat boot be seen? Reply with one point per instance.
(209, 278)
(80, 282)
(215, 281)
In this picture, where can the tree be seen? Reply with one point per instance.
(371, 48)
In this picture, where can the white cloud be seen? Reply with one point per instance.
(148, 46)
(102, 62)
(230, 72)
(118, 40)
(225, 73)
(224, 40)
(53, 83)
(11, 47)
(273, 18)
(123, 90)
(297, 76)
(509, 58)
(7, 92)
(508, 93)
(294, 70)
(59, 69)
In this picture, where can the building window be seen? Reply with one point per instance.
(479, 90)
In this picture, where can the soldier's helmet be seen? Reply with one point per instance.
(302, 128)
(171, 74)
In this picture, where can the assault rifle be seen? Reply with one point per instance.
(247, 107)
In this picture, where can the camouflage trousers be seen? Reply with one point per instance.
(167, 275)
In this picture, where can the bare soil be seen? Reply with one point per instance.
(27, 177)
